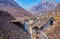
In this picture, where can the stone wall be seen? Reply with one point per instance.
(54, 31)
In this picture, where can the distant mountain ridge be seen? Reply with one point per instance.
(42, 7)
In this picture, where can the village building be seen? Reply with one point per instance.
(39, 27)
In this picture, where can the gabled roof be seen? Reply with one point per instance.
(42, 22)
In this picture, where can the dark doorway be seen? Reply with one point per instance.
(51, 22)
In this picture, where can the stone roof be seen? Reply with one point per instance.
(42, 22)
(9, 30)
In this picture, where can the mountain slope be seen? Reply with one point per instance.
(13, 8)
(42, 7)
(57, 8)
